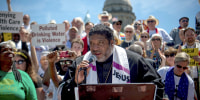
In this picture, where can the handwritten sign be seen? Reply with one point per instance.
(10, 22)
(48, 34)
(192, 52)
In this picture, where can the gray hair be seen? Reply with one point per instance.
(182, 57)
(129, 26)
(136, 48)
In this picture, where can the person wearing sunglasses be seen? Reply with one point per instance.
(183, 22)
(52, 77)
(15, 84)
(117, 26)
(155, 44)
(178, 84)
(168, 57)
(129, 34)
(138, 29)
(144, 37)
(152, 22)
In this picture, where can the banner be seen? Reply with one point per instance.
(48, 34)
(10, 22)
(192, 52)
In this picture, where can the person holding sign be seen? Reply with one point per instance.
(190, 42)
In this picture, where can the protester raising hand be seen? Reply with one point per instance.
(162, 56)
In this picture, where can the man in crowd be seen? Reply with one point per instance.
(152, 22)
(88, 27)
(190, 42)
(108, 58)
(183, 21)
(73, 32)
(26, 20)
(104, 18)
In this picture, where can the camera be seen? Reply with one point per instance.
(64, 54)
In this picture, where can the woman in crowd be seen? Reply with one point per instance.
(138, 29)
(178, 84)
(153, 53)
(25, 64)
(28, 65)
(15, 84)
(144, 37)
(168, 57)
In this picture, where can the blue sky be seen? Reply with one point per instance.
(168, 12)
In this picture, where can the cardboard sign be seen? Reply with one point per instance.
(192, 52)
(10, 22)
(48, 34)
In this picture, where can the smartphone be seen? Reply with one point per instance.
(64, 54)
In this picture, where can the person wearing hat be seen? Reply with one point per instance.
(104, 18)
(178, 84)
(152, 22)
(183, 21)
(73, 33)
(117, 25)
(52, 77)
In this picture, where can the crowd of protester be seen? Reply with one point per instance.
(39, 72)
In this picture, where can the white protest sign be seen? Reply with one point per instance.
(48, 34)
(10, 22)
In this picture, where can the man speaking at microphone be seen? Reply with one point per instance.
(113, 64)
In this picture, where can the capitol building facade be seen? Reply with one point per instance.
(121, 9)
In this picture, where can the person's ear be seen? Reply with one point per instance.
(112, 42)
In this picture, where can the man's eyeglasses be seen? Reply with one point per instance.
(184, 68)
(155, 39)
(150, 21)
(19, 62)
(184, 20)
(67, 62)
(144, 36)
(128, 31)
(171, 55)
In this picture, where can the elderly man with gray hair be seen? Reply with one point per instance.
(178, 84)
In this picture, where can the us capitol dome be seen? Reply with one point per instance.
(121, 9)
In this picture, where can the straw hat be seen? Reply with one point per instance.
(105, 13)
(152, 18)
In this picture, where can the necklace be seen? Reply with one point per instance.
(106, 76)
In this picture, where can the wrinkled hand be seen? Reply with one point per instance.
(162, 56)
(196, 58)
(179, 49)
(107, 24)
(52, 57)
(72, 54)
(80, 76)
(153, 48)
(24, 35)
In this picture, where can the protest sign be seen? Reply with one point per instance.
(192, 52)
(48, 34)
(10, 22)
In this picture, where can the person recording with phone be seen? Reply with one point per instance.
(52, 78)
(113, 64)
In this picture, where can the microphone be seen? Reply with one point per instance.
(91, 59)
